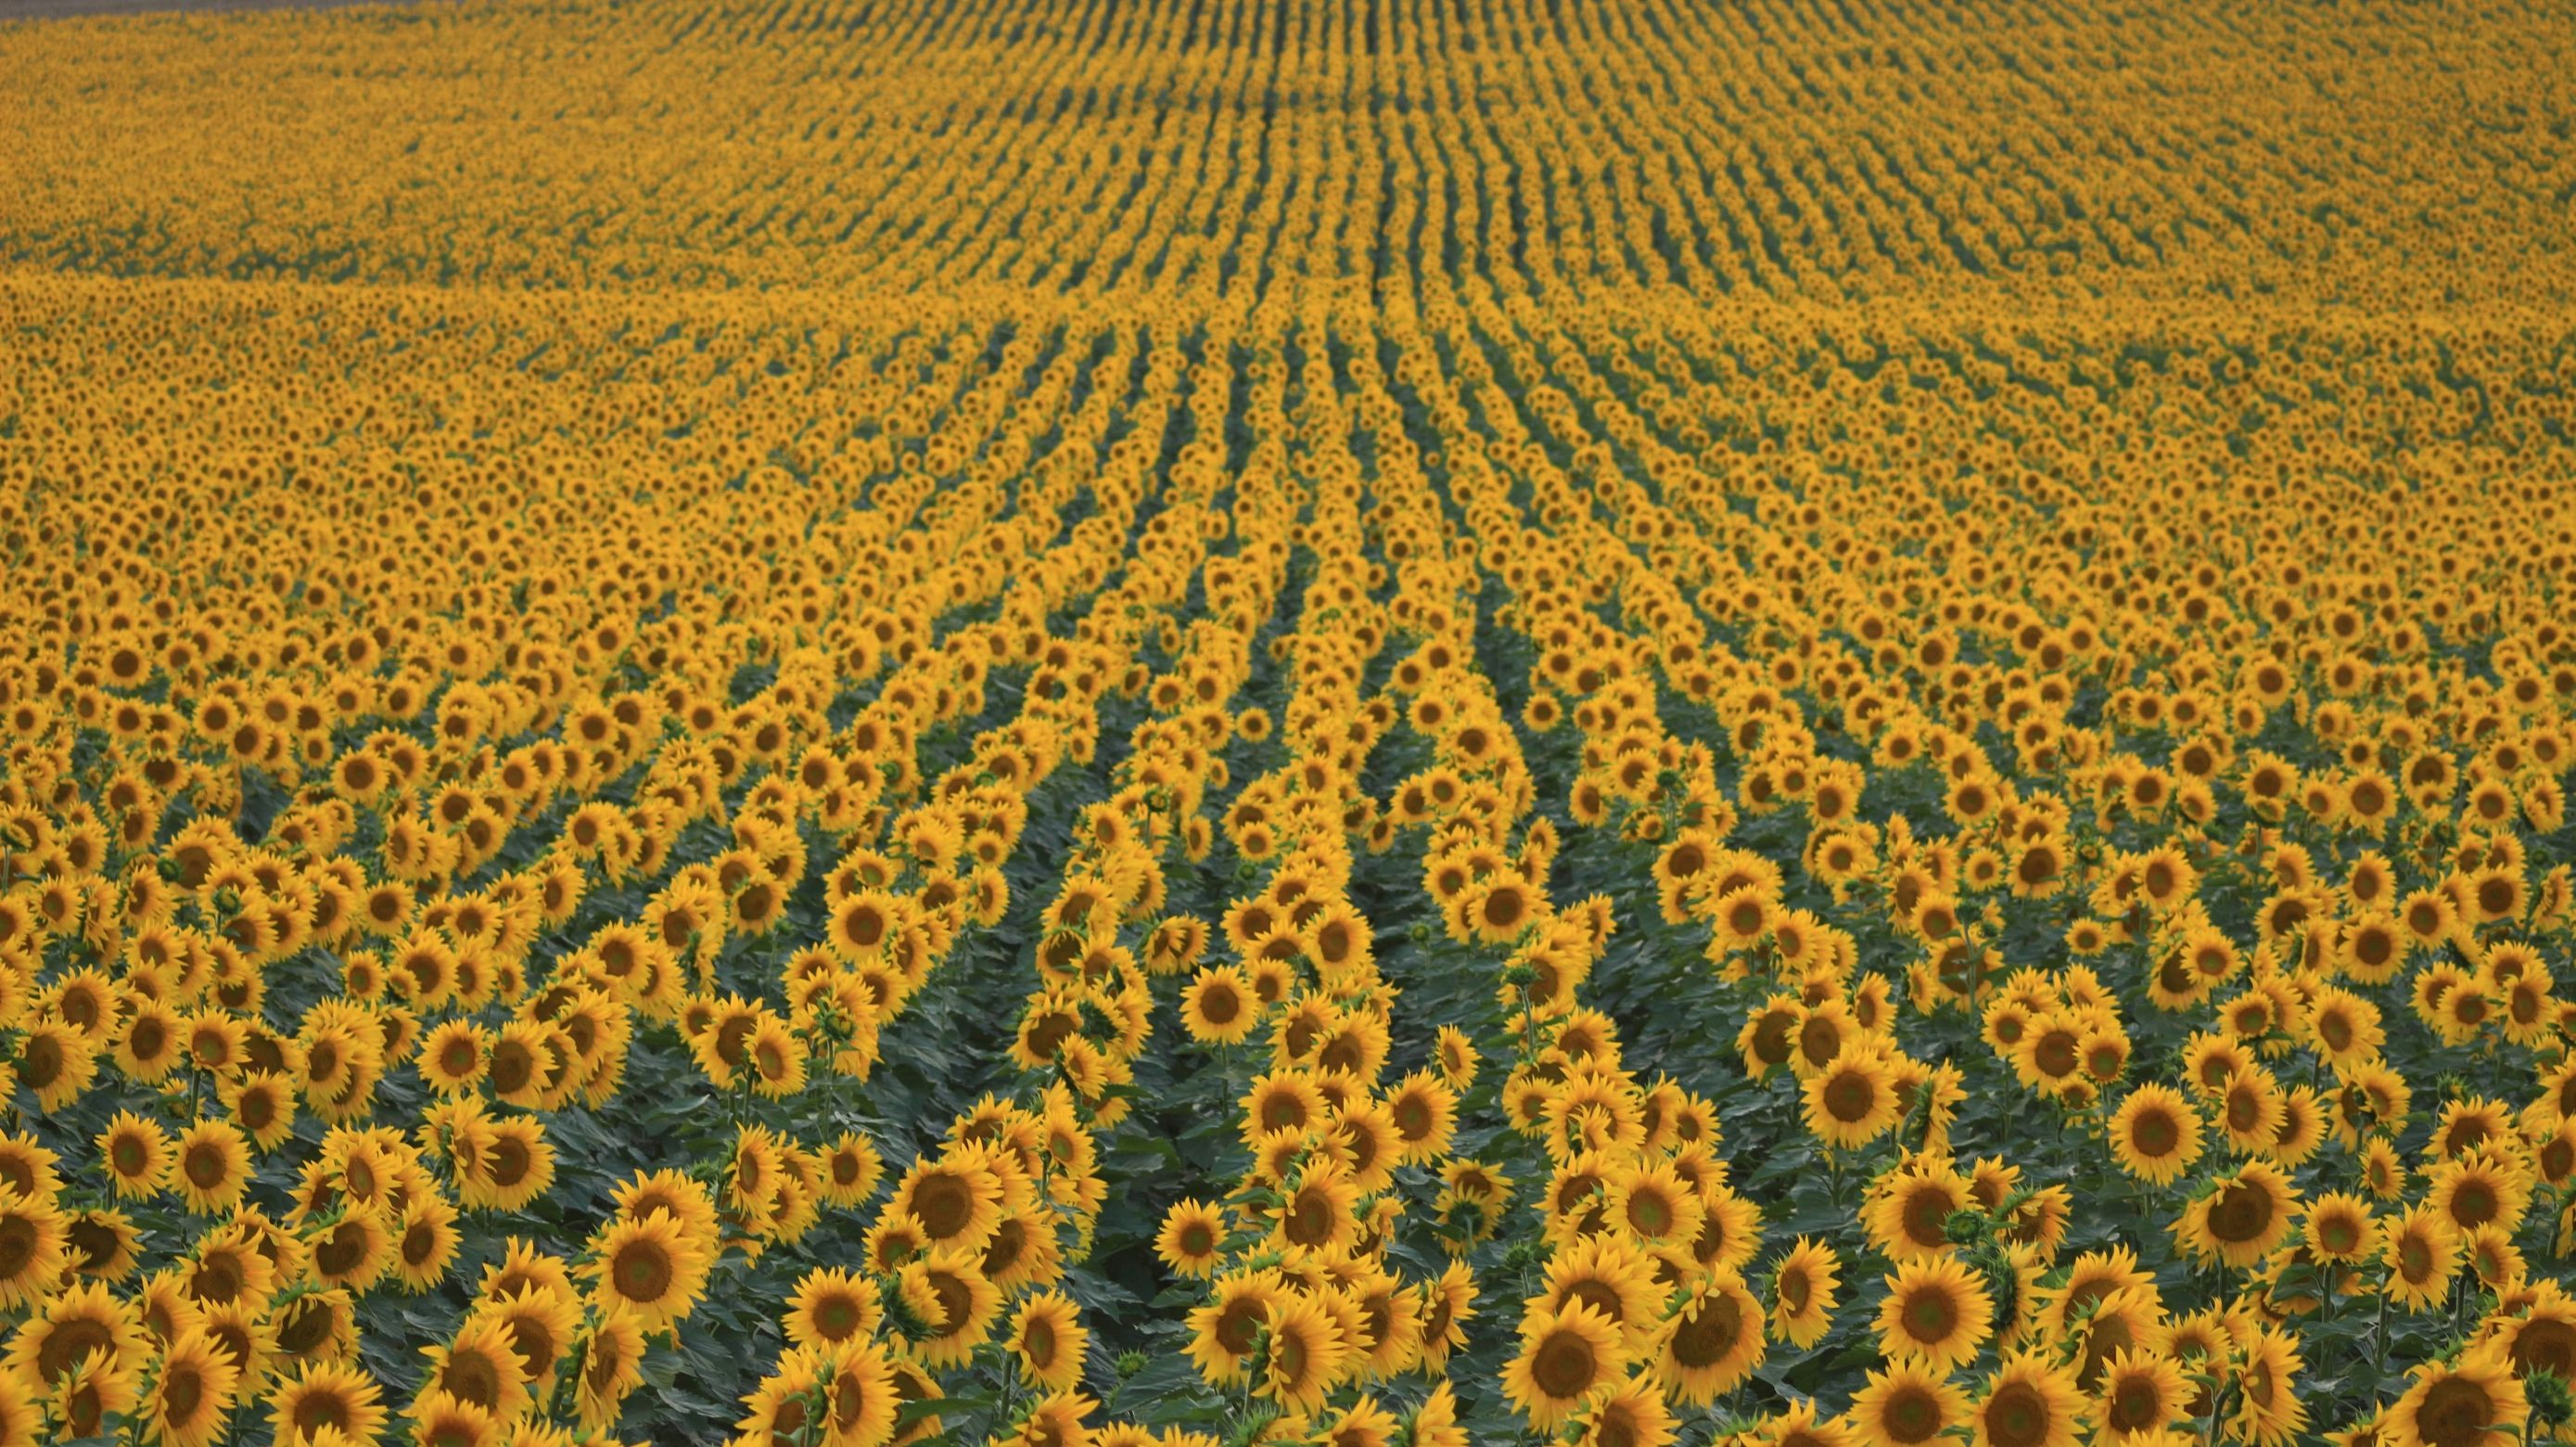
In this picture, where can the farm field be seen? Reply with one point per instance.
(1392, 724)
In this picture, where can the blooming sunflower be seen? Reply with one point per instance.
(1048, 1338)
(1564, 1356)
(2340, 1227)
(211, 1166)
(1219, 1006)
(1712, 1342)
(1803, 1290)
(1225, 1332)
(1937, 1312)
(70, 1326)
(863, 1398)
(2139, 1395)
(1799, 1425)
(1910, 1217)
(955, 1304)
(612, 1365)
(322, 1395)
(2242, 1217)
(1852, 1100)
(2473, 1402)
(442, 1420)
(831, 1305)
(1910, 1404)
(2268, 1410)
(2030, 1401)
(2422, 1252)
(1304, 1356)
(136, 1153)
(1192, 1238)
(33, 1238)
(1631, 1414)
(480, 1365)
(652, 1267)
(1612, 1276)
(192, 1390)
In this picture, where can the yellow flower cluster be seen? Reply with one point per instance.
(1067, 724)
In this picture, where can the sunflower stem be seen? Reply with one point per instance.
(2379, 1335)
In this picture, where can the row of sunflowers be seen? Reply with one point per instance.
(1043, 724)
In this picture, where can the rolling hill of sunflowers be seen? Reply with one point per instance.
(823, 723)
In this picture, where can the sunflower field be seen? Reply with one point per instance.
(818, 723)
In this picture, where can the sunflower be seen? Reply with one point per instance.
(2339, 1227)
(1048, 1338)
(1632, 1414)
(1286, 1100)
(1911, 1216)
(2242, 1217)
(2250, 1110)
(28, 1168)
(90, 1392)
(67, 1329)
(1803, 1292)
(1799, 1425)
(136, 1153)
(831, 1305)
(1564, 1356)
(1712, 1341)
(2474, 1402)
(516, 1169)
(2268, 1410)
(947, 1293)
(315, 1328)
(425, 1242)
(1304, 1353)
(652, 1267)
(1852, 1101)
(1424, 1111)
(2138, 1396)
(2382, 1170)
(192, 1390)
(1320, 1212)
(22, 1417)
(1653, 1204)
(1499, 910)
(451, 1057)
(2474, 1191)
(263, 1104)
(33, 1240)
(782, 1405)
(1192, 1239)
(103, 1244)
(541, 1319)
(1937, 1312)
(612, 1365)
(479, 1365)
(1453, 1054)
(354, 1251)
(892, 1241)
(2543, 1338)
(1219, 1006)
(326, 1396)
(1612, 1275)
(2029, 1402)
(1226, 1331)
(2421, 1250)
(1443, 1307)
(166, 1308)
(212, 1166)
(1910, 1404)
(243, 1261)
(442, 1420)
